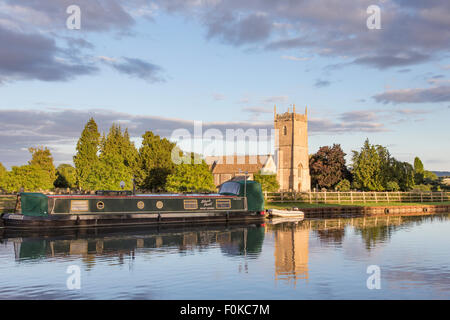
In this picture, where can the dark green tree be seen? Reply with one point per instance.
(66, 176)
(422, 176)
(120, 144)
(430, 177)
(190, 178)
(418, 171)
(392, 186)
(86, 157)
(369, 167)
(403, 175)
(42, 158)
(28, 177)
(269, 182)
(108, 172)
(118, 160)
(343, 185)
(155, 161)
(327, 167)
(374, 169)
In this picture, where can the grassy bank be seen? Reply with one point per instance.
(289, 205)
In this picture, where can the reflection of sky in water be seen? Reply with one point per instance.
(283, 261)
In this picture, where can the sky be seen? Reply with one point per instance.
(169, 65)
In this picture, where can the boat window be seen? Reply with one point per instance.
(100, 205)
(230, 188)
(191, 204)
(223, 204)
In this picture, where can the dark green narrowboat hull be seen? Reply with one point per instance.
(40, 211)
(235, 202)
(18, 221)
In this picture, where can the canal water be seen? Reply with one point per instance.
(363, 258)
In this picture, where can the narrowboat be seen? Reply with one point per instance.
(235, 201)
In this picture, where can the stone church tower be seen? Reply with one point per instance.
(291, 146)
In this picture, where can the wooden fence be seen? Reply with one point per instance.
(351, 197)
(7, 203)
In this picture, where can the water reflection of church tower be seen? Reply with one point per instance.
(291, 254)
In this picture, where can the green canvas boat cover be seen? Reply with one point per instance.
(34, 204)
(251, 189)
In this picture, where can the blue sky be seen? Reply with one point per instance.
(161, 65)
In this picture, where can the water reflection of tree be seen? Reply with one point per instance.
(335, 236)
(374, 235)
(373, 230)
(380, 233)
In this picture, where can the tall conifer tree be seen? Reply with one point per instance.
(42, 158)
(118, 159)
(419, 171)
(86, 158)
(368, 168)
(156, 161)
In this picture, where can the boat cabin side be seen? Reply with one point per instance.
(232, 197)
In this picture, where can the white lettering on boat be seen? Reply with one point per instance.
(16, 217)
(79, 205)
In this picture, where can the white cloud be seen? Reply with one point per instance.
(218, 96)
(276, 99)
(415, 95)
(295, 58)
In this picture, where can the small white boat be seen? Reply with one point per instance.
(286, 213)
(279, 220)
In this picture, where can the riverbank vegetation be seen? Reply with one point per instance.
(103, 161)
(372, 169)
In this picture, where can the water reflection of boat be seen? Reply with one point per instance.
(236, 239)
(249, 242)
(236, 200)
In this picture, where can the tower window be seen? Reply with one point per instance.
(284, 130)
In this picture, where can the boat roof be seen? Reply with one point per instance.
(153, 195)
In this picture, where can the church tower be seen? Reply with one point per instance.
(291, 145)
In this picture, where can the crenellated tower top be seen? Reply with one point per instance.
(290, 115)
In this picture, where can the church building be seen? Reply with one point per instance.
(291, 145)
(290, 163)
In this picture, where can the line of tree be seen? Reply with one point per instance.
(39, 173)
(103, 161)
(372, 169)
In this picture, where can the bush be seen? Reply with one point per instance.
(191, 178)
(343, 185)
(268, 182)
(422, 187)
(392, 186)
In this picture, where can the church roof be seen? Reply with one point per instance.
(232, 164)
